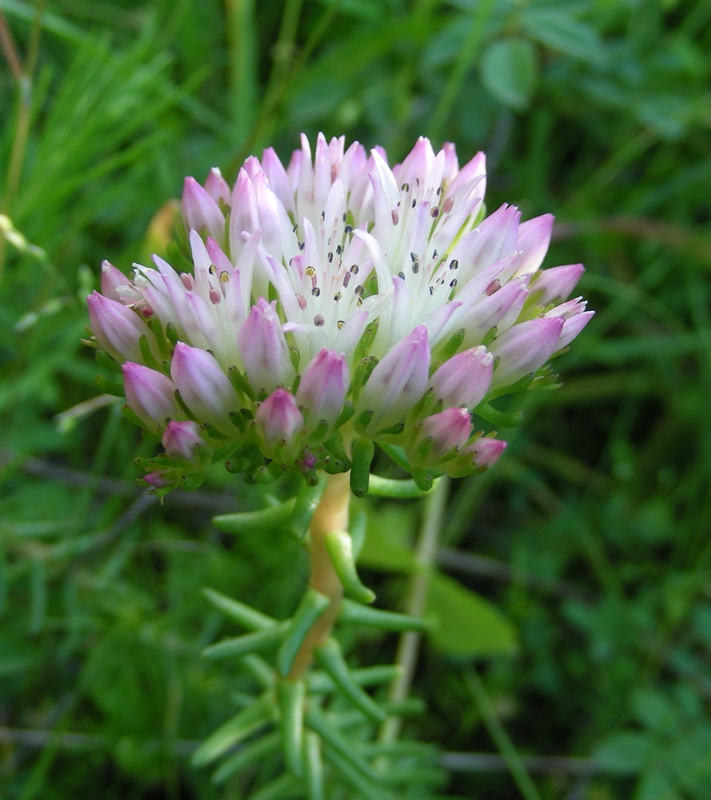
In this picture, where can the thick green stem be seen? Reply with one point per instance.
(331, 515)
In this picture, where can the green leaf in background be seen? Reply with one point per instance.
(509, 71)
(464, 623)
(558, 30)
(624, 752)
(654, 710)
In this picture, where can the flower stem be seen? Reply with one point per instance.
(331, 514)
(409, 644)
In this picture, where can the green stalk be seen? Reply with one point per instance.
(409, 644)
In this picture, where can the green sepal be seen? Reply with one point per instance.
(290, 697)
(392, 430)
(257, 642)
(312, 605)
(363, 420)
(397, 454)
(376, 618)
(192, 481)
(499, 418)
(305, 504)
(108, 362)
(340, 549)
(400, 489)
(330, 657)
(450, 347)
(250, 754)
(329, 733)
(366, 340)
(171, 333)
(240, 383)
(519, 386)
(422, 478)
(129, 414)
(361, 374)
(336, 447)
(346, 413)
(362, 456)
(234, 731)
(107, 386)
(256, 521)
(295, 356)
(313, 767)
(147, 354)
(244, 615)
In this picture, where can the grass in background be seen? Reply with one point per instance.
(591, 535)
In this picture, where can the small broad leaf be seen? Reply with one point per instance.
(509, 71)
(464, 623)
(624, 752)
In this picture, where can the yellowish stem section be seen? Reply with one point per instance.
(331, 515)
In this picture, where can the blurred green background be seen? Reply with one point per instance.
(591, 536)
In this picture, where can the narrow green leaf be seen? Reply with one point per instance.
(312, 605)
(399, 489)
(251, 753)
(366, 787)
(234, 731)
(313, 767)
(290, 696)
(246, 616)
(257, 642)
(340, 549)
(304, 506)
(376, 618)
(362, 456)
(255, 521)
(330, 657)
(318, 722)
(285, 787)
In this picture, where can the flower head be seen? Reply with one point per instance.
(336, 296)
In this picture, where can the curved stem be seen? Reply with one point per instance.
(409, 644)
(331, 515)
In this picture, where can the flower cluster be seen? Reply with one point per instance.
(332, 300)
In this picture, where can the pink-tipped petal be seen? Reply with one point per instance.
(323, 387)
(201, 212)
(263, 348)
(150, 395)
(464, 379)
(524, 348)
(279, 419)
(398, 381)
(117, 328)
(204, 387)
(182, 441)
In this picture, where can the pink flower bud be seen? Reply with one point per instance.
(556, 283)
(323, 387)
(182, 441)
(150, 395)
(201, 211)
(117, 328)
(398, 381)
(534, 236)
(263, 348)
(574, 317)
(442, 433)
(524, 348)
(464, 379)
(486, 451)
(203, 386)
(216, 186)
(111, 280)
(278, 419)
